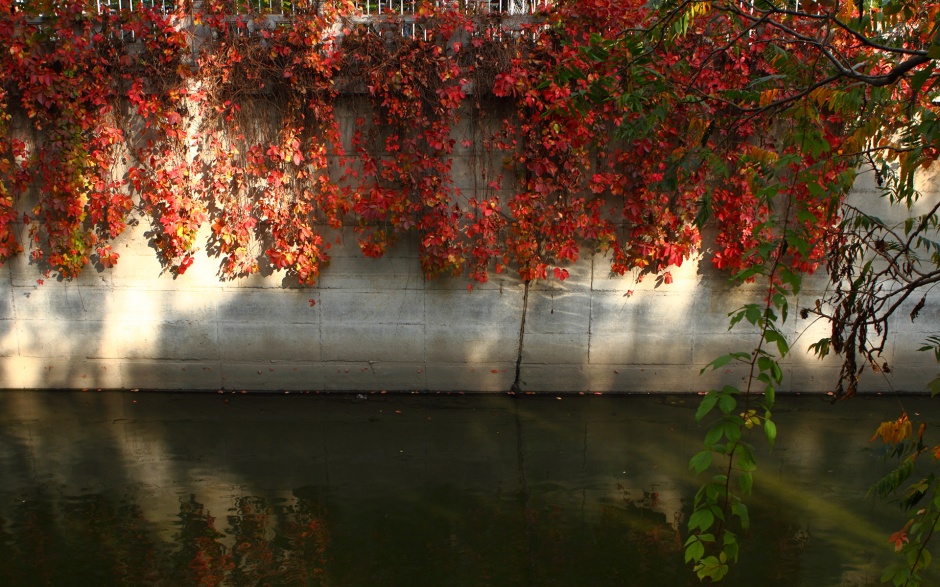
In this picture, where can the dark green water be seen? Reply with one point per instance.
(147, 489)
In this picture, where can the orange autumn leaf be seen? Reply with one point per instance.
(895, 431)
(899, 539)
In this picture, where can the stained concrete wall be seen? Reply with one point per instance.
(378, 324)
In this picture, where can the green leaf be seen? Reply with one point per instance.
(806, 216)
(770, 429)
(701, 520)
(816, 190)
(776, 372)
(718, 363)
(770, 316)
(820, 348)
(920, 77)
(694, 549)
(740, 510)
(934, 387)
(765, 363)
(746, 460)
(792, 278)
(704, 538)
(713, 435)
(893, 480)
(746, 482)
(712, 568)
(752, 313)
(701, 461)
(896, 574)
(704, 210)
(708, 403)
(748, 273)
(729, 543)
(727, 403)
(732, 431)
(925, 558)
(780, 301)
(774, 336)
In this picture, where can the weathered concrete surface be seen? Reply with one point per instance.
(378, 324)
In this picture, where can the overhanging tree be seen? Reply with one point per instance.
(823, 91)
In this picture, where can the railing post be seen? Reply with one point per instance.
(196, 34)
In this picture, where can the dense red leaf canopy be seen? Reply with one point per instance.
(617, 128)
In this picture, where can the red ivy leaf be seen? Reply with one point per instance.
(185, 264)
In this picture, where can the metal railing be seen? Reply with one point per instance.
(252, 16)
(288, 7)
(103, 5)
(161, 5)
(405, 7)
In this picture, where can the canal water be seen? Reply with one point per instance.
(422, 490)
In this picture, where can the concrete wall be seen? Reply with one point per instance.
(378, 324)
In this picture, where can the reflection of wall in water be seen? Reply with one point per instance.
(478, 474)
(167, 447)
(442, 478)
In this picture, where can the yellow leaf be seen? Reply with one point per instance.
(768, 97)
(894, 432)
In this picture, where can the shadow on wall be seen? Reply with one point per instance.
(9, 349)
(373, 325)
(55, 335)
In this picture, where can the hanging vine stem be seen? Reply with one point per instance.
(716, 503)
(517, 381)
(712, 546)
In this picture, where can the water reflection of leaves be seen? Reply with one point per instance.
(442, 536)
(201, 559)
(90, 540)
(102, 541)
(276, 543)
